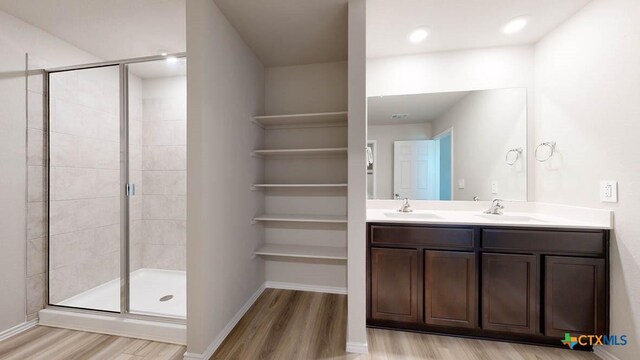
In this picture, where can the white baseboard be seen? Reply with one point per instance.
(603, 354)
(227, 329)
(114, 325)
(18, 329)
(305, 287)
(357, 348)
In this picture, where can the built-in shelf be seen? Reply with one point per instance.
(298, 186)
(300, 152)
(329, 118)
(303, 251)
(302, 218)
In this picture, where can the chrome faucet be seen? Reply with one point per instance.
(496, 207)
(405, 207)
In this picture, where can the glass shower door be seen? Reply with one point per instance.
(85, 189)
(157, 97)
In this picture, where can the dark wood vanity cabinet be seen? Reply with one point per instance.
(516, 284)
(394, 283)
(450, 288)
(575, 295)
(509, 293)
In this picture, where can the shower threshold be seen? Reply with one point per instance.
(149, 295)
(149, 289)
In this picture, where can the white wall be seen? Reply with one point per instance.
(587, 88)
(487, 124)
(22, 271)
(225, 87)
(289, 89)
(357, 197)
(13, 125)
(385, 135)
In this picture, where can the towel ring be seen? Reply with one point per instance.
(551, 145)
(517, 151)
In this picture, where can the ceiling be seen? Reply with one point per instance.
(108, 29)
(159, 68)
(420, 108)
(459, 24)
(280, 32)
(291, 32)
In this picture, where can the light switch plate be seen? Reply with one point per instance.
(609, 191)
(460, 183)
(494, 187)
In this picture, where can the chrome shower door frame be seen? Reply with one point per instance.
(125, 195)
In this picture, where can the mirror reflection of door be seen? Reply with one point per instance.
(371, 170)
(416, 173)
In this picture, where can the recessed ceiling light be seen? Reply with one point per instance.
(418, 35)
(515, 25)
(172, 60)
(163, 52)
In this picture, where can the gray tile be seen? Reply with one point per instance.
(35, 293)
(165, 133)
(71, 248)
(166, 257)
(164, 182)
(35, 184)
(35, 256)
(64, 150)
(74, 215)
(165, 232)
(35, 220)
(164, 158)
(164, 207)
(35, 147)
(35, 104)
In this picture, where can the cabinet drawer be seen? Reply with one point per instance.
(422, 236)
(544, 241)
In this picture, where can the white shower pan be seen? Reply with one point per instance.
(148, 287)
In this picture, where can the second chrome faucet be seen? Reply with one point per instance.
(496, 207)
(405, 207)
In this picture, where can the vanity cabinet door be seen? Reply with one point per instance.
(574, 296)
(509, 293)
(450, 288)
(394, 284)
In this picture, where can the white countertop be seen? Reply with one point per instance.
(516, 214)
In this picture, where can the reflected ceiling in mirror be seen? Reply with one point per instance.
(461, 145)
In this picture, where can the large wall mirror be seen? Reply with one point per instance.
(463, 145)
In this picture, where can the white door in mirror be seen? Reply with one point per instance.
(416, 169)
(609, 191)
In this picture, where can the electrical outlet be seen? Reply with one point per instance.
(609, 191)
(460, 183)
(494, 187)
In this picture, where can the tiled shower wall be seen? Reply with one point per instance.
(163, 185)
(36, 224)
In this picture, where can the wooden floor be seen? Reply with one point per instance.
(282, 324)
(48, 343)
(285, 324)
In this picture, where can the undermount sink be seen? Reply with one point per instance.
(412, 215)
(510, 218)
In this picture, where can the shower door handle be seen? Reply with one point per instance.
(131, 189)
